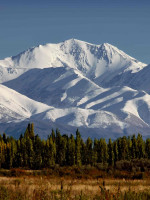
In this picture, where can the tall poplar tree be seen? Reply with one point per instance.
(147, 148)
(78, 148)
(134, 147)
(140, 147)
(71, 151)
(89, 151)
(110, 153)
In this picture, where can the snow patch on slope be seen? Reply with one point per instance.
(18, 106)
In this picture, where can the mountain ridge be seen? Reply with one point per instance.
(82, 85)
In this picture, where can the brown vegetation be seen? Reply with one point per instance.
(28, 185)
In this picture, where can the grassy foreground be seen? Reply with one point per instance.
(41, 187)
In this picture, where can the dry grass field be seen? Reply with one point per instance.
(52, 188)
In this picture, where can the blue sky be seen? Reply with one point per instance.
(125, 24)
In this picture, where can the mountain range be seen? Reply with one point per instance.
(74, 84)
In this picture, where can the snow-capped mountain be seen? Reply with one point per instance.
(74, 84)
(93, 61)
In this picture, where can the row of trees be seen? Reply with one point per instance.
(29, 151)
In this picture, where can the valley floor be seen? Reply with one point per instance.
(45, 187)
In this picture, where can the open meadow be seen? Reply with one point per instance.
(33, 186)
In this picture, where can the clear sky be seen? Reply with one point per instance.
(123, 23)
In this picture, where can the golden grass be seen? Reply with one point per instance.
(30, 184)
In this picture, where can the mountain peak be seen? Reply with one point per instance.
(81, 42)
(105, 44)
(89, 59)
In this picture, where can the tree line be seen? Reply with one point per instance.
(32, 152)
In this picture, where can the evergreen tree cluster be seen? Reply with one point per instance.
(29, 151)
